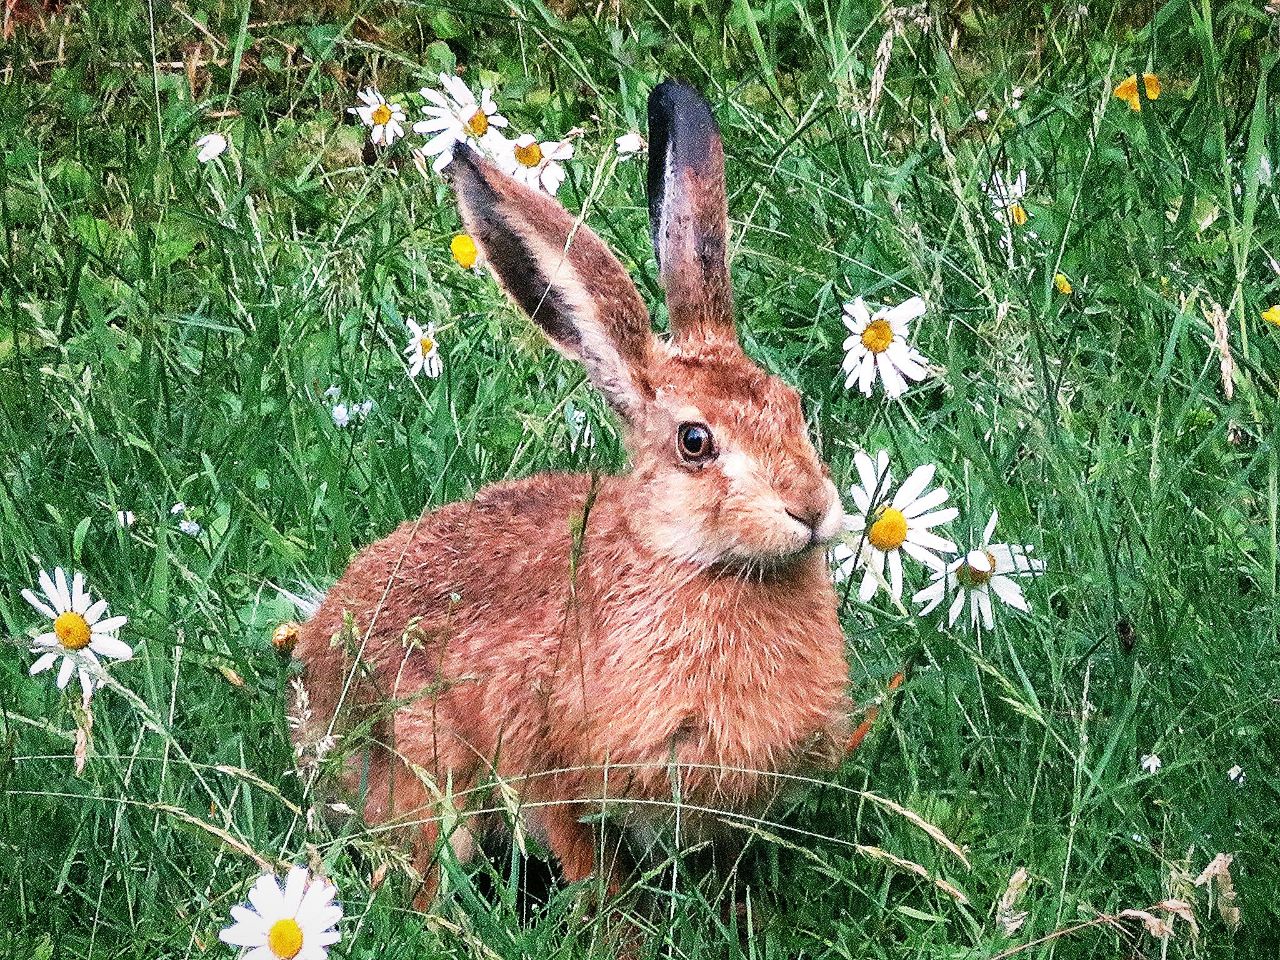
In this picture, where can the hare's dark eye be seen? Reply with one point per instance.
(695, 442)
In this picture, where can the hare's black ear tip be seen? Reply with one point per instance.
(671, 97)
(465, 163)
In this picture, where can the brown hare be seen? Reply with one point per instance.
(604, 640)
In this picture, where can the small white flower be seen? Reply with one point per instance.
(423, 351)
(986, 570)
(878, 343)
(178, 508)
(297, 923)
(363, 409)
(629, 144)
(333, 393)
(455, 117)
(882, 528)
(341, 415)
(540, 165)
(1236, 775)
(981, 115)
(81, 632)
(1006, 198)
(385, 120)
(1151, 763)
(580, 435)
(189, 527)
(125, 518)
(210, 147)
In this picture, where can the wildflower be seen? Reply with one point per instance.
(125, 518)
(189, 527)
(362, 409)
(210, 147)
(882, 529)
(537, 164)
(1272, 314)
(299, 921)
(177, 508)
(455, 117)
(580, 434)
(285, 637)
(1236, 775)
(423, 351)
(1127, 89)
(81, 630)
(1151, 763)
(1062, 284)
(465, 253)
(629, 144)
(1006, 197)
(979, 573)
(341, 415)
(879, 343)
(385, 120)
(981, 115)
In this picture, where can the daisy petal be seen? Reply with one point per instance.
(1010, 593)
(41, 607)
(913, 486)
(64, 672)
(44, 662)
(113, 647)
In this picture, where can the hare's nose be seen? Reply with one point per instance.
(810, 508)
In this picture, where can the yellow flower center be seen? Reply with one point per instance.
(971, 572)
(464, 250)
(889, 530)
(381, 114)
(426, 344)
(529, 155)
(478, 125)
(1018, 214)
(284, 939)
(285, 637)
(1062, 284)
(72, 630)
(877, 336)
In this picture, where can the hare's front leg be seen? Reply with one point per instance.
(576, 845)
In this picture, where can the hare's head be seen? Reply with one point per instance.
(724, 469)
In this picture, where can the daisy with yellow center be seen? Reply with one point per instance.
(1127, 89)
(296, 923)
(384, 119)
(81, 632)
(878, 344)
(983, 571)
(466, 253)
(540, 165)
(1006, 198)
(454, 116)
(423, 351)
(882, 528)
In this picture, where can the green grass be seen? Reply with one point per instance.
(167, 332)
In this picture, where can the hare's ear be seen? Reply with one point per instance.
(562, 275)
(688, 212)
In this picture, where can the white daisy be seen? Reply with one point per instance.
(882, 529)
(189, 527)
(341, 415)
(296, 923)
(423, 351)
(981, 572)
(455, 117)
(362, 409)
(1006, 198)
(210, 147)
(1151, 763)
(385, 120)
(879, 343)
(178, 508)
(629, 144)
(81, 630)
(540, 165)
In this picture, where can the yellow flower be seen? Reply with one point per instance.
(1062, 284)
(1272, 314)
(465, 252)
(285, 637)
(1127, 90)
(1018, 214)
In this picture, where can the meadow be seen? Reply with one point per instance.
(1104, 373)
